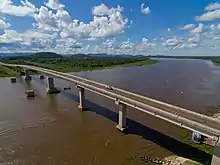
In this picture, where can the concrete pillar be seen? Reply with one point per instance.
(51, 88)
(216, 154)
(122, 115)
(50, 83)
(27, 75)
(41, 77)
(81, 98)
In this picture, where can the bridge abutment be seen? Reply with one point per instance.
(27, 75)
(122, 115)
(216, 154)
(51, 87)
(81, 105)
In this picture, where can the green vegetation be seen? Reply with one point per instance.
(216, 61)
(186, 138)
(6, 72)
(79, 62)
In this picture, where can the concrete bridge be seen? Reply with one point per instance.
(202, 124)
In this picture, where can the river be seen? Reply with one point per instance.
(51, 130)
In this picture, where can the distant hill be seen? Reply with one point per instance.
(45, 55)
(80, 56)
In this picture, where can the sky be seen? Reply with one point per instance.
(147, 27)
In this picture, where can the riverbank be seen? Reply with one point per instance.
(8, 72)
(216, 61)
(67, 68)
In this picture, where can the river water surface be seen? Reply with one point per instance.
(51, 130)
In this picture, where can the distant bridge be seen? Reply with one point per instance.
(196, 122)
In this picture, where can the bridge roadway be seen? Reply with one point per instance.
(205, 125)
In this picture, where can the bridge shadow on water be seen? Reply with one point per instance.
(136, 128)
(171, 144)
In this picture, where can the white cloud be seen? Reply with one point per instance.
(108, 22)
(194, 40)
(145, 10)
(145, 40)
(10, 36)
(48, 20)
(209, 16)
(100, 10)
(169, 30)
(212, 6)
(171, 42)
(76, 30)
(110, 44)
(188, 27)
(37, 34)
(127, 47)
(27, 40)
(4, 25)
(54, 4)
(212, 13)
(215, 29)
(26, 8)
(198, 29)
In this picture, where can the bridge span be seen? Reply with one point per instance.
(196, 122)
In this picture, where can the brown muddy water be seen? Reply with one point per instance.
(51, 130)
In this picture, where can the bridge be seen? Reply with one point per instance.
(196, 122)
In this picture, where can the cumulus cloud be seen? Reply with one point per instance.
(188, 27)
(106, 22)
(145, 10)
(100, 10)
(145, 40)
(171, 42)
(26, 41)
(212, 12)
(68, 43)
(194, 40)
(212, 6)
(110, 44)
(215, 29)
(54, 4)
(26, 8)
(198, 29)
(48, 20)
(10, 36)
(4, 25)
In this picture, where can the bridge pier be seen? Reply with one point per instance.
(51, 87)
(81, 98)
(216, 154)
(122, 115)
(27, 75)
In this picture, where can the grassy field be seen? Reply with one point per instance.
(7, 72)
(69, 68)
(186, 138)
(74, 63)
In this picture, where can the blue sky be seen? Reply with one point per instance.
(183, 27)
